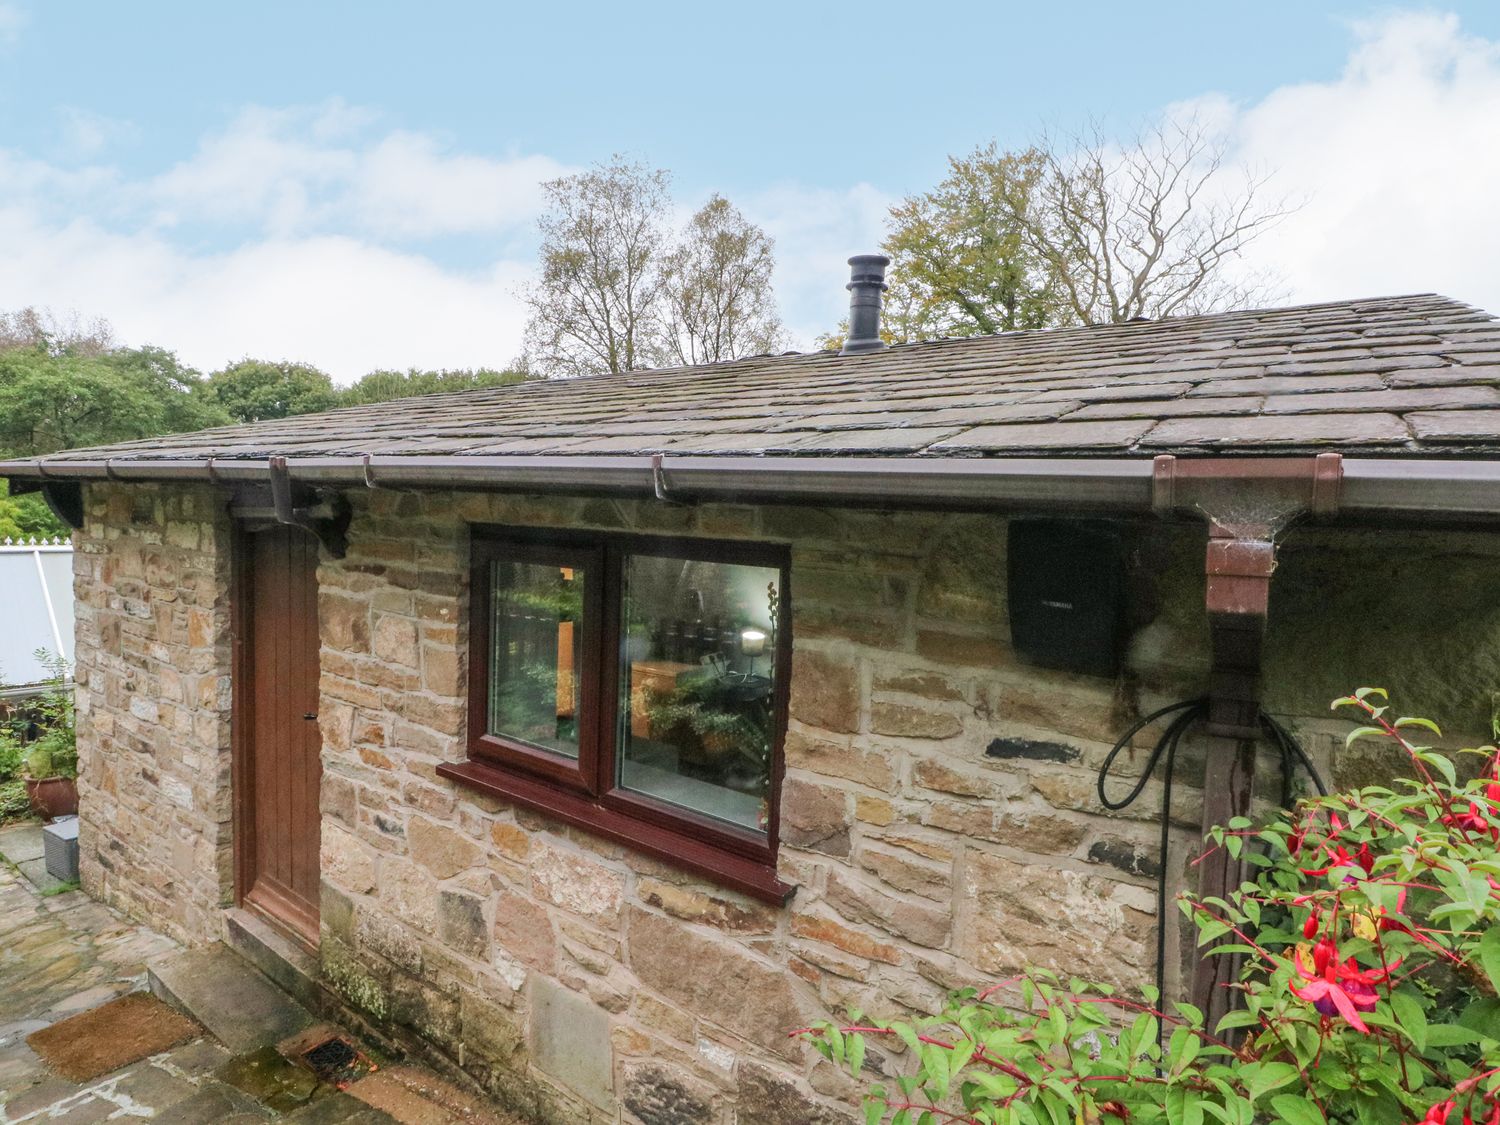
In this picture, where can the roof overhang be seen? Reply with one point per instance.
(1410, 487)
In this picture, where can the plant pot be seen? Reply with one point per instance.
(52, 797)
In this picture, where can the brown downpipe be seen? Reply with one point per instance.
(1246, 503)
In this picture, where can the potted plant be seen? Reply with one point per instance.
(50, 765)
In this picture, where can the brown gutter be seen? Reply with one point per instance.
(1246, 504)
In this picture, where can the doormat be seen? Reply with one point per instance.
(83, 1047)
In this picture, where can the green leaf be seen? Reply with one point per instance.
(1414, 722)
(1489, 955)
(1411, 1017)
(1261, 1078)
(1442, 763)
(1450, 1035)
(1297, 1110)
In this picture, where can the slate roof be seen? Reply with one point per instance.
(1413, 375)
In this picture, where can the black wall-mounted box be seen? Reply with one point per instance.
(1067, 581)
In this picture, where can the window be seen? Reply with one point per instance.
(636, 687)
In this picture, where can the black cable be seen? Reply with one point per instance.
(1189, 712)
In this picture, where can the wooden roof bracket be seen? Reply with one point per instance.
(1246, 503)
(64, 498)
(323, 512)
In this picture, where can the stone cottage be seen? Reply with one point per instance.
(585, 737)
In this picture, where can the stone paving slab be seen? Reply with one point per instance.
(66, 954)
(20, 843)
(227, 995)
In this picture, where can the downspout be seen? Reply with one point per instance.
(1246, 503)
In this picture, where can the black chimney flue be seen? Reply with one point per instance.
(866, 284)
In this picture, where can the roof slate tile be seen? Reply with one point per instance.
(1401, 375)
(1273, 431)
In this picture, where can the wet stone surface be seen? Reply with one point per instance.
(64, 953)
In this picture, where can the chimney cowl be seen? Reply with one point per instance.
(866, 284)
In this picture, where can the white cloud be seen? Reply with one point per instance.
(311, 168)
(84, 133)
(1398, 160)
(815, 231)
(313, 233)
(346, 306)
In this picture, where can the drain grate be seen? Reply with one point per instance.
(337, 1062)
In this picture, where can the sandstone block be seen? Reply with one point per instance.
(903, 721)
(408, 892)
(928, 685)
(1035, 913)
(931, 774)
(388, 938)
(440, 849)
(906, 874)
(825, 691)
(693, 905)
(395, 640)
(817, 928)
(698, 972)
(814, 816)
(344, 622)
(917, 923)
(511, 841)
(570, 1041)
(660, 1094)
(461, 924)
(346, 862)
(768, 1097)
(577, 883)
(964, 649)
(838, 758)
(523, 930)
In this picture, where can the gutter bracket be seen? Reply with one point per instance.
(329, 526)
(659, 482)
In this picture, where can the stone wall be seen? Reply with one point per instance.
(940, 818)
(151, 578)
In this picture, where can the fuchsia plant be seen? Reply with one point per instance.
(1369, 993)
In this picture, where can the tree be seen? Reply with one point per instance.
(717, 290)
(596, 305)
(1075, 232)
(51, 402)
(961, 264)
(41, 328)
(385, 386)
(253, 390)
(1149, 230)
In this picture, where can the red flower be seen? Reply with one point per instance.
(1339, 988)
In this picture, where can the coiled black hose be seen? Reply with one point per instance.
(1188, 713)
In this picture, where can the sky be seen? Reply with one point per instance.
(357, 185)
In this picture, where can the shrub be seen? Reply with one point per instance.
(1369, 993)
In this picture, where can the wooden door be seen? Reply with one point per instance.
(279, 742)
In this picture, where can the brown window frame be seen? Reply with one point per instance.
(585, 793)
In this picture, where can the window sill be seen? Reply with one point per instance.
(758, 880)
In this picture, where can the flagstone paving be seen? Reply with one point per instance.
(63, 953)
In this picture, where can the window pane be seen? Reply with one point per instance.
(698, 672)
(536, 611)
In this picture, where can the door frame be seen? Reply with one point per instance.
(242, 729)
(242, 804)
